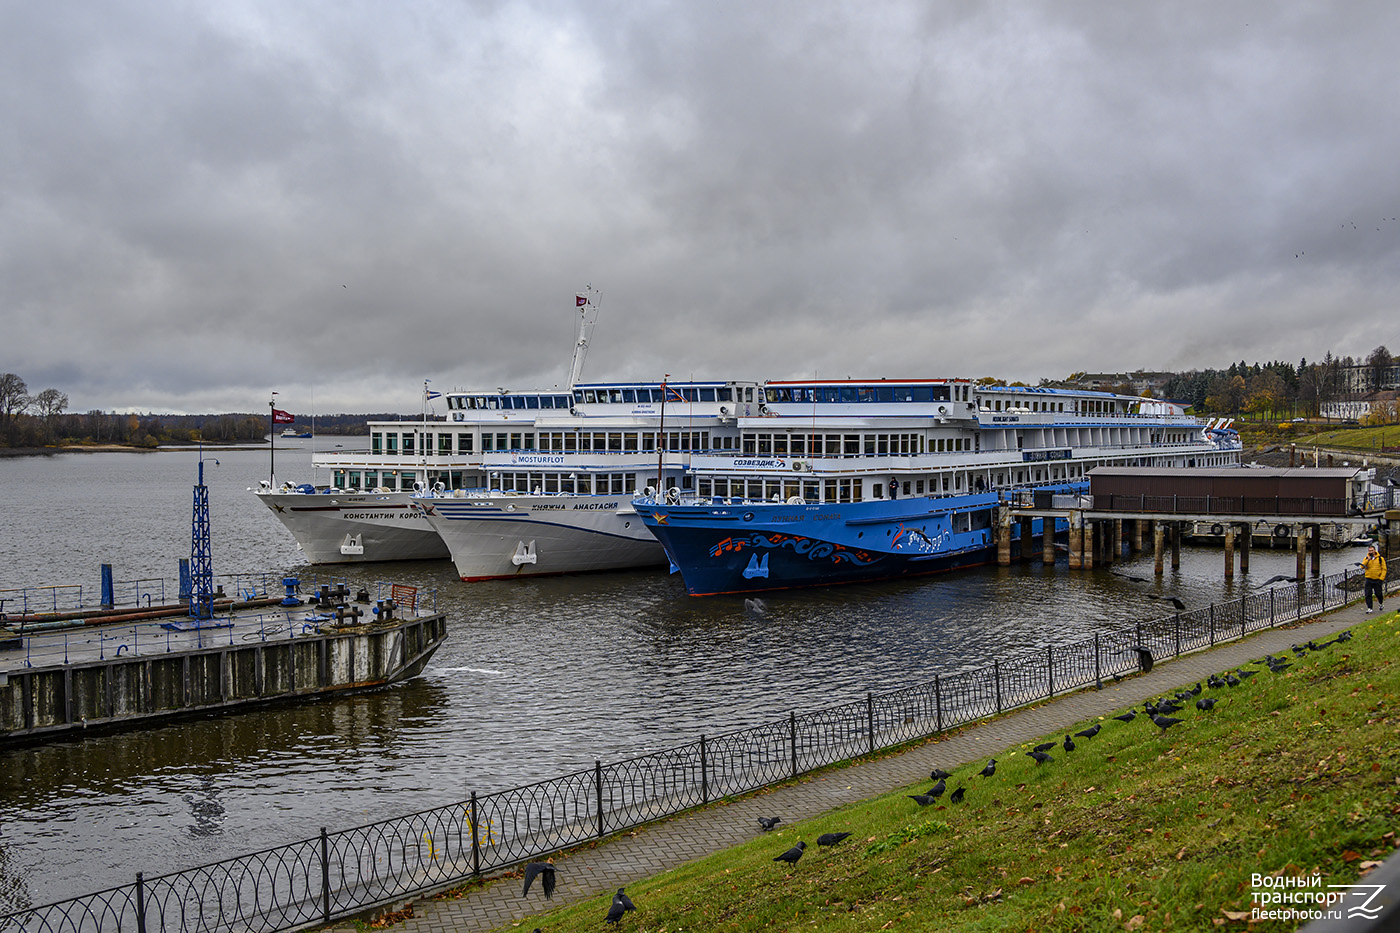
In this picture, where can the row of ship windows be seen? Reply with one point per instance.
(1083, 406)
(813, 394)
(633, 396)
(848, 445)
(880, 393)
(760, 444)
(813, 490)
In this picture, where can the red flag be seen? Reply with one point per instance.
(580, 301)
(281, 417)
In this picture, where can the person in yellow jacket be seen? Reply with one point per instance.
(1374, 566)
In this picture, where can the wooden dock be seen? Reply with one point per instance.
(1127, 507)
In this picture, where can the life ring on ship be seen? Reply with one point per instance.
(1217, 529)
(1282, 531)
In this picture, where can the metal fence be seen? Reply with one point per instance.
(58, 600)
(340, 873)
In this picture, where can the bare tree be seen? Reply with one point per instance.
(14, 399)
(49, 404)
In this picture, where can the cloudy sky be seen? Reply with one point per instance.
(203, 202)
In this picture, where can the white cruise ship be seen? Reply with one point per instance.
(365, 513)
(560, 489)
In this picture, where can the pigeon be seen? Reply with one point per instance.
(1090, 732)
(1069, 744)
(539, 868)
(768, 822)
(1196, 690)
(792, 855)
(1205, 703)
(1165, 722)
(922, 800)
(1279, 668)
(1168, 708)
(1231, 680)
(956, 796)
(938, 774)
(830, 839)
(1046, 746)
(938, 789)
(1344, 636)
(1245, 675)
(1129, 716)
(1040, 757)
(621, 903)
(990, 769)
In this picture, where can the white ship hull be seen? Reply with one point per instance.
(342, 528)
(501, 537)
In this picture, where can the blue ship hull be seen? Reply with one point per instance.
(751, 547)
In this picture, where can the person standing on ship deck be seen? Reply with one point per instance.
(894, 488)
(1374, 566)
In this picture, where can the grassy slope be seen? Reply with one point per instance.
(1134, 829)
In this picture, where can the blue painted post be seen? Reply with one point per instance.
(108, 596)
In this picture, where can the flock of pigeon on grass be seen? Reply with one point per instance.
(1160, 712)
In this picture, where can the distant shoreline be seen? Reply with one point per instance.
(118, 448)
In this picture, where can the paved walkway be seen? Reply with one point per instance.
(625, 859)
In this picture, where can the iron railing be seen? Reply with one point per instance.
(18, 604)
(336, 874)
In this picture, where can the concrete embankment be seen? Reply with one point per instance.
(114, 680)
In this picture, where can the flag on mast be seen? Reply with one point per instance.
(282, 417)
(580, 301)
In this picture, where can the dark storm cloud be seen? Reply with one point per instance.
(205, 203)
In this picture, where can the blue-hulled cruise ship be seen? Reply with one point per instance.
(859, 480)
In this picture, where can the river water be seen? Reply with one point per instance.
(537, 678)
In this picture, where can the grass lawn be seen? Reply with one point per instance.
(1296, 773)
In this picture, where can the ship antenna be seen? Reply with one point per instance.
(587, 305)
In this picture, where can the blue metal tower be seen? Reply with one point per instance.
(201, 566)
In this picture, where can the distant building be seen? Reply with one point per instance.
(1356, 406)
(1359, 379)
(1141, 381)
